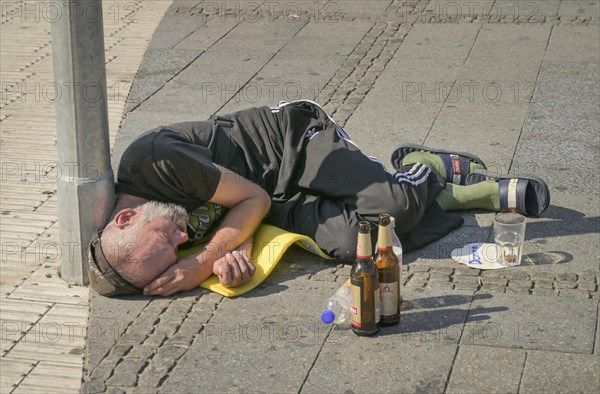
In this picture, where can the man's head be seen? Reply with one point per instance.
(139, 244)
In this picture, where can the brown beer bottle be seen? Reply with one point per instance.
(388, 265)
(364, 281)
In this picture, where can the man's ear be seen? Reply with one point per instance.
(125, 217)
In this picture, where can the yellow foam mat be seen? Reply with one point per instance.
(270, 243)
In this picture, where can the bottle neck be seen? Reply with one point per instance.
(384, 238)
(363, 247)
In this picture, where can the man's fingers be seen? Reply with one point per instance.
(169, 292)
(247, 263)
(164, 290)
(158, 282)
(251, 267)
(223, 271)
(242, 263)
(234, 265)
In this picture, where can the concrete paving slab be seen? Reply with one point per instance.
(492, 130)
(574, 43)
(571, 188)
(346, 364)
(47, 287)
(449, 7)
(439, 253)
(580, 8)
(563, 245)
(140, 121)
(525, 8)
(157, 68)
(184, 7)
(523, 322)
(576, 200)
(405, 71)
(451, 10)
(484, 369)
(560, 373)
(282, 345)
(558, 70)
(41, 346)
(275, 83)
(438, 84)
(478, 218)
(378, 132)
(438, 41)
(13, 371)
(433, 315)
(192, 99)
(62, 325)
(226, 76)
(570, 88)
(173, 29)
(353, 6)
(297, 263)
(507, 52)
(484, 92)
(404, 88)
(563, 118)
(216, 27)
(51, 377)
(17, 317)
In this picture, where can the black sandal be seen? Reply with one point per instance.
(456, 163)
(526, 194)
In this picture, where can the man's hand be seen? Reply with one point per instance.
(236, 268)
(181, 276)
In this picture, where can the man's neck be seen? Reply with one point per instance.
(128, 201)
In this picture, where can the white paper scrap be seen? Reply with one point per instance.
(482, 256)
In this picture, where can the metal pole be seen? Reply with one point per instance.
(86, 185)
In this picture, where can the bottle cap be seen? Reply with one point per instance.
(327, 316)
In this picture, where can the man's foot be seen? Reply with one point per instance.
(525, 194)
(453, 167)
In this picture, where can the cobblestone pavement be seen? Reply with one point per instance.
(514, 81)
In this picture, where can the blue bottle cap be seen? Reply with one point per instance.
(327, 316)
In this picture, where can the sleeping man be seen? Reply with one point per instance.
(291, 166)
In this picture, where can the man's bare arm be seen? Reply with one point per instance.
(248, 203)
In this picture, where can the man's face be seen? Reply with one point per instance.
(154, 230)
(157, 248)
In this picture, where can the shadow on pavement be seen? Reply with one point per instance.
(547, 258)
(562, 228)
(556, 212)
(430, 317)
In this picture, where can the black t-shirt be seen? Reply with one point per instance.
(176, 163)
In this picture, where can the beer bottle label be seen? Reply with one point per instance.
(355, 307)
(389, 298)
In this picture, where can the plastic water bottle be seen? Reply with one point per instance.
(397, 249)
(396, 244)
(337, 307)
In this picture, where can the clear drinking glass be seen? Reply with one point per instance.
(509, 236)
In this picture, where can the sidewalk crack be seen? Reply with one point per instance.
(315, 360)
(522, 372)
